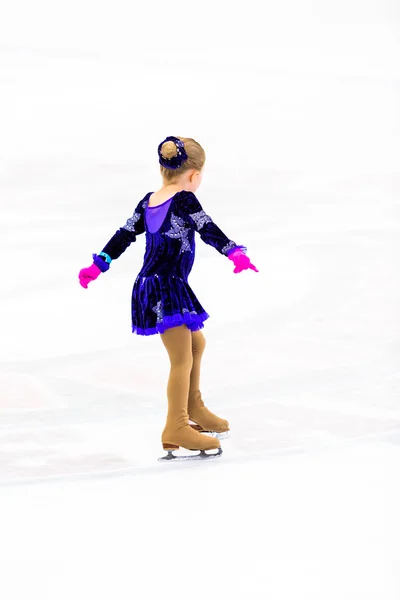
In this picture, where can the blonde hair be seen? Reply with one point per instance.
(195, 160)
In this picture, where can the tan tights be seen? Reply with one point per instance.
(185, 350)
(178, 342)
(198, 345)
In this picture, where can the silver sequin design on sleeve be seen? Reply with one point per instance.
(178, 231)
(228, 247)
(201, 218)
(130, 224)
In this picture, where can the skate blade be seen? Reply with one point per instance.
(202, 455)
(220, 435)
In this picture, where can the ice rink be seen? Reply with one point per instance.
(297, 107)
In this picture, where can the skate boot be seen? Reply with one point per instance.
(204, 418)
(185, 436)
(178, 432)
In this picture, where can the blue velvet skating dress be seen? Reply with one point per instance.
(161, 295)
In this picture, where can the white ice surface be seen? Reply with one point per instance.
(298, 110)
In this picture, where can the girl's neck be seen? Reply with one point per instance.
(173, 187)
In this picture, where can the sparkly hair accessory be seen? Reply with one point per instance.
(176, 161)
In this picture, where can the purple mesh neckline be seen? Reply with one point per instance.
(162, 203)
(155, 218)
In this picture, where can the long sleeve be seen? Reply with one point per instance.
(194, 215)
(125, 235)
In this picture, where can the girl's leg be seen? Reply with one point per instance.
(197, 411)
(198, 345)
(177, 431)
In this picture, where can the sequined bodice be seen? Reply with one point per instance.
(170, 235)
(170, 243)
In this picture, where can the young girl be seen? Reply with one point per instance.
(162, 300)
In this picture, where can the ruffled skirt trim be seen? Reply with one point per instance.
(194, 322)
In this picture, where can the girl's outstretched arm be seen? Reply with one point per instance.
(210, 233)
(120, 241)
(123, 238)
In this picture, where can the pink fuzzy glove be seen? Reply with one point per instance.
(99, 266)
(241, 261)
(88, 274)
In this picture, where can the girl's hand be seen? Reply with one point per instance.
(241, 261)
(88, 274)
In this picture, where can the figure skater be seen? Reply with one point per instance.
(162, 300)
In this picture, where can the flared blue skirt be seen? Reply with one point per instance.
(161, 302)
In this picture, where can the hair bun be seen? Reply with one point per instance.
(169, 149)
(172, 153)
